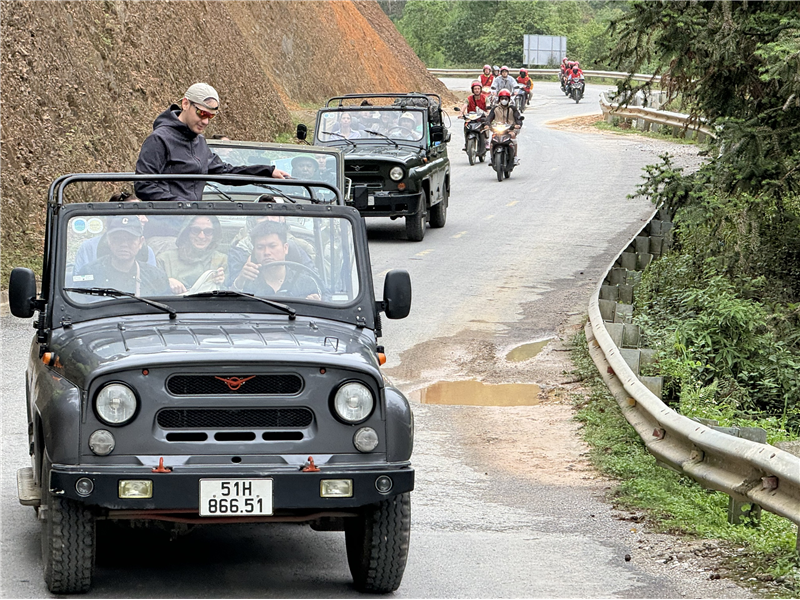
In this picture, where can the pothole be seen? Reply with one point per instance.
(527, 351)
(476, 393)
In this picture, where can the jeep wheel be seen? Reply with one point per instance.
(68, 546)
(377, 544)
(439, 212)
(415, 224)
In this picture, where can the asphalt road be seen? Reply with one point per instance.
(515, 262)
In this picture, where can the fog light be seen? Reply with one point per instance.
(336, 488)
(84, 486)
(384, 484)
(101, 442)
(365, 439)
(135, 488)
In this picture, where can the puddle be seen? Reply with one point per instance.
(475, 393)
(527, 351)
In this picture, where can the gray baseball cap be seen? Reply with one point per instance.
(199, 93)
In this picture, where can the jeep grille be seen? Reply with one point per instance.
(205, 385)
(250, 418)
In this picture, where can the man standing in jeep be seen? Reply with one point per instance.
(177, 145)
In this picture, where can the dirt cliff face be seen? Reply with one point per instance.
(82, 82)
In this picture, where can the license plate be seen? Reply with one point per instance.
(235, 497)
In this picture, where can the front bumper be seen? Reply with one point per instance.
(371, 202)
(179, 490)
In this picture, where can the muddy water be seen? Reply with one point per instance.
(527, 351)
(476, 393)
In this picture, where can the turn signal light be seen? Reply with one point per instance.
(381, 358)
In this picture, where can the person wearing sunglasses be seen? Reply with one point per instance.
(177, 145)
(195, 265)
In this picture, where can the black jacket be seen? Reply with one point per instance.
(174, 148)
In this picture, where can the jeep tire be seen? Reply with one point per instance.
(68, 545)
(377, 544)
(415, 224)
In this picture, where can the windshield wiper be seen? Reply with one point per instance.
(233, 293)
(218, 191)
(386, 137)
(337, 134)
(275, 190)
(113, 292)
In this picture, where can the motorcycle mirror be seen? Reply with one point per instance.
(302, 131)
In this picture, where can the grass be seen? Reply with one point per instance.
(764, 557)
(624, 128)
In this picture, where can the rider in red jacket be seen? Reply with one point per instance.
(486, 77)
(526, 82)
(476, 100)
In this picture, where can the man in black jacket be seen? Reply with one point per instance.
(178, 146)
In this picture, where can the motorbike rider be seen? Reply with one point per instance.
(575, 73)
(506, 113)
(504, 82)
(487, 77)
(526, 82)
(496, 71)
(474, 103)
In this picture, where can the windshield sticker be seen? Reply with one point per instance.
(89, 277)
(95, 225)
(78, 225)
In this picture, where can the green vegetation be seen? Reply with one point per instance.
(663, 133)
(675, 503)
(469, 34)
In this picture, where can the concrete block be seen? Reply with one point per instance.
(647, 357)
(615, 331)
(631, 357)
(625, 293)
(607, 309)
(655, 227)
(643, 260)
(633, 278)
(616, 276)
(655, 244)
(641, 244)
(664, 214)
(627, 260)
(630, 335)
(792, 447)
(623, 313)
(609, 292)
(654, 384)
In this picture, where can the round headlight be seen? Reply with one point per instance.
(396, 173)
(365, 439)
(116, 404)
(102, 442)
(353, 402)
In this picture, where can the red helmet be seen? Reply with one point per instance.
(504, 94)
(474, 83)
(487, 67)
(523, 72)
(503, 68)
(563, 60)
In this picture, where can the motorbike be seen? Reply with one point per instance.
(474, 137)
(520, 97)
(576, 90)
(502, 150)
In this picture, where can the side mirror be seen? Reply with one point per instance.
(397, 294)
(437, 133)
(302, 131)
(22, 292)
(457, 109)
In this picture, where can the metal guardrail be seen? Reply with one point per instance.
(473, 73)
(651, 115)
(747, 471)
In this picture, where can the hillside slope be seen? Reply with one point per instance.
(82, 82)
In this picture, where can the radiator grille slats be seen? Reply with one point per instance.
(235, 418)
(218, 385)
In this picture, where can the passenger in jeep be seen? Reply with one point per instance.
(120, 269)
(195, 265)
(259, 276)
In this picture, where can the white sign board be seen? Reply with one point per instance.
(544, 50)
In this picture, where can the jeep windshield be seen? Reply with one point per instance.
(175, 252)
(306, 163)
(338, 126)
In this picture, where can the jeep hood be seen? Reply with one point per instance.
(87, 350)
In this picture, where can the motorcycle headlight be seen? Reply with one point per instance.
(116, 404)
(353, 402)
(396, 173)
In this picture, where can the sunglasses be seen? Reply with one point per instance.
(203, 114)
(196, 231)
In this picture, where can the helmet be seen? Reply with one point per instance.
(473, 84)
(523, 72)
(495, 68)
(565, 60)
(504, 94)
(577, 64)
(503, 68)
(487, 67)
